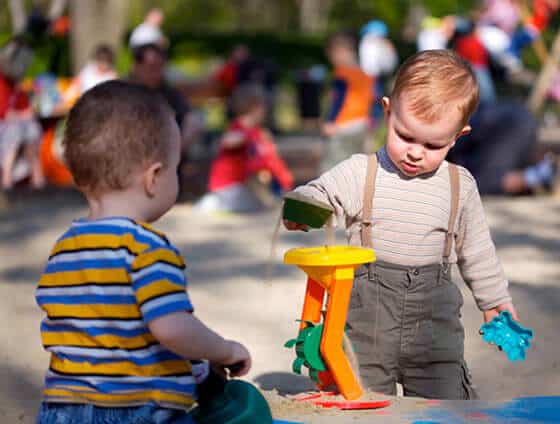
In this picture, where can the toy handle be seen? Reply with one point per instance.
(234, 368)
(211, 390)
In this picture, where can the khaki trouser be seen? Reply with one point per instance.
(404, 324)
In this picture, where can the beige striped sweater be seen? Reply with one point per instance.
(410, 218)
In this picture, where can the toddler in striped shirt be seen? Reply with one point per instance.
(421, 215)
(119, 323)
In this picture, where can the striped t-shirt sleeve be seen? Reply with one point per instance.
(159, 283)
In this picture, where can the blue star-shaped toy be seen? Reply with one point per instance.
(508, 335)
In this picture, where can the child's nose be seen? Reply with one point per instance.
(415, 151)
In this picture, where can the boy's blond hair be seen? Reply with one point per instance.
(434, 81)
(112, 131)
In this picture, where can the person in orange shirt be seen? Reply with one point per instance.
(351, 95)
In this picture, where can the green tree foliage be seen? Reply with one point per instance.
(352, 14)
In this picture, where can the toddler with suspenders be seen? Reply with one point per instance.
(421, 215)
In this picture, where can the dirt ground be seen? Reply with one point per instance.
(226, 257)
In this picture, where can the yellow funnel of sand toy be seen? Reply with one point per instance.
(331, 269)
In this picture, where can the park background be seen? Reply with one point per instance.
(291, 33)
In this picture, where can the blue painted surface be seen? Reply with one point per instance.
(425, 422)
(285, 422)
(534, 410)
(529, 410)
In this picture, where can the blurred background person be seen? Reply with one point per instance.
(379, 59)
(351, 96)
(435, 33)
(101, 68)
(247, 174)
(502, 151)
(149, 31)
(227, 75)
(20, 131)
(148, 69)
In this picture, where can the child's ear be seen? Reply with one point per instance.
(386, 102)
(150, 177)
(466, 130)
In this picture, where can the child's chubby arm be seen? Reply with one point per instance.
(342, 187)
(159, 285)
(190, 338)
(478, 261)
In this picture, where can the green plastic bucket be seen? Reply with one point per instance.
(306, 210)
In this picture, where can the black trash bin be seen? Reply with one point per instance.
(310, 83)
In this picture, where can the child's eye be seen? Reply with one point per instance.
(406, 138)
(433, 147)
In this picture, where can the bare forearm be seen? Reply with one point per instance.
(188, 337)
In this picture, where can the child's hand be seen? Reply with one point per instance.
(294, 226)
(489, 314)
(329, 129)
(264, 177)
(239, 357)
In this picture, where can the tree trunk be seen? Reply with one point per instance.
(94, 22)
(313, 15)
(57, 8)
(17, 15)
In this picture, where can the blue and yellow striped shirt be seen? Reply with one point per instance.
(105, 280)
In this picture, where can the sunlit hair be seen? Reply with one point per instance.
(435, 81)
(112, 131)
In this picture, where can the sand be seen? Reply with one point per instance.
(226, 257)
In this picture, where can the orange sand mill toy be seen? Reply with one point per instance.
(330, 271)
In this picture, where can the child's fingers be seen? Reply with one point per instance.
(489, 315)
(510, 308)
(242, 368)
(290, 225)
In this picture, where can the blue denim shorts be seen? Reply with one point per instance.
(72, 413)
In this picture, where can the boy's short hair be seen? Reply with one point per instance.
(343, 39)
(435, 79)
(104, 53)
(113, 129)
(246, 97)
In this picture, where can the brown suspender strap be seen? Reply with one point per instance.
(455, 188)
(367, 207)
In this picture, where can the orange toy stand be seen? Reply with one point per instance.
(330, 271)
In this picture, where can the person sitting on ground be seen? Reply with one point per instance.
(420, 214)
(247, 174)
(18, 129)
(502, 151)
(114, 284)
(350, 102)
